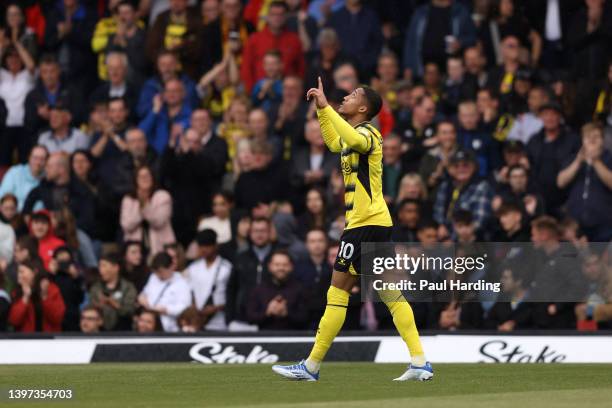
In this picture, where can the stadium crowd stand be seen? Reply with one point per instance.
(162, 170)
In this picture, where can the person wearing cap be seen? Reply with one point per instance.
(463, 190)
(528, 123)
(61, 137)
(208, 277)
(166, 292)
(548, 151)
(588, 177)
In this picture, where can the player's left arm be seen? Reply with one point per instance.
(358, 140)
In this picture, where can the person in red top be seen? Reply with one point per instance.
(37, 302)
(274, 36)
(41, 228)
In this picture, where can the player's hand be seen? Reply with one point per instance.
(318, 94)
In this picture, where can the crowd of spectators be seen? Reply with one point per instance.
(161, 169)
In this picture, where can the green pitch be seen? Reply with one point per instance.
(341, 385)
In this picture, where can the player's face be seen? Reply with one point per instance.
(353, 103)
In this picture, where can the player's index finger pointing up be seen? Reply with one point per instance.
(320, 84)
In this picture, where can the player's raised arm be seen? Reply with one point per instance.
(360, 142)
(330, 135)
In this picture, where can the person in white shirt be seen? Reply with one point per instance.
(17, 78)
(208, 278)
(166, 292)
(529, 123)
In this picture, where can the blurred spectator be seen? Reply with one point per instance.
(359, 32)
(434, 164)
(146, 213)
(471, 136)
(60, 190)
(166, 292)
(264, 182)
(108, 145)
(219, 86)
(9, 214)
(594, 313)
(407, 220)
(418, 134)
(135, 267)
(301, 23)
(41, 228)
(413, 187)
(69, 29)
(436, 30)
(501, 78)
(64, 273)
(267, 91)
(148, 321)
(7, 241)
(314, 273)
(505, 19)
(177, 30)
(128, 37)
(557, 277)
(250, 269)
(393, 167)
(91, 321)
(290, 117)
(62, 137)
(475, 66)
(15, 29)
(138, 153)
(549, 150)
(222, 220)
(49, 90)
(511, 311)
(26, 249)
(279, 303)
(192, 167)
(5, 302)
(228, 32)
(117, 85)
(168, 117)
(274, 36)
(37, 304)
(589, 180)
(315, 215)
(20, 179)
(312, 166)
(167, 67)
(512, 222)
(106, 208)
(456, 87)
(325, 60)
(16, 81)
(463, 191)
(114, 295)
(529, 123)
(208, 277)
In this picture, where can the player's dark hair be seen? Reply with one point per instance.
(274, 53)
(374, 102)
